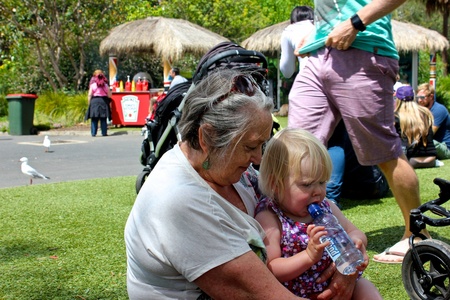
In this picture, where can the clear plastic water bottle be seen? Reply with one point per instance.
(342, 250)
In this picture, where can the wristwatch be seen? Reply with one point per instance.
(357, 23)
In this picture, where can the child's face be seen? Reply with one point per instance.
(300, 192)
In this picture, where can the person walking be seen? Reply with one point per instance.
(99, 101)
(350, 73)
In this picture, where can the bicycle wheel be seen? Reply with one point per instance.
(141, 178)
(435, 283)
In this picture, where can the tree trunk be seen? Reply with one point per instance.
(445, 33)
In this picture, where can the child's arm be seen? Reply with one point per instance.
(357, 236)
(286, 269)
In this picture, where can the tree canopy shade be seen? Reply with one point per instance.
(167, 38)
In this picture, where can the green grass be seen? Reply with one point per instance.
(65, 240)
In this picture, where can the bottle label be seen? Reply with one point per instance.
(332, 250)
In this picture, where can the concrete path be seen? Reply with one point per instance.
(72, 156)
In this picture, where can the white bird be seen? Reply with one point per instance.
(30, 171)
(46, 143)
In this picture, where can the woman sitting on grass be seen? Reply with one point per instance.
(414, 126)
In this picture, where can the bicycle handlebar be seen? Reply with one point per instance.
(435, 207)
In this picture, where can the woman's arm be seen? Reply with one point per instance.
(90, 94)
(288, 59)
(245, 277)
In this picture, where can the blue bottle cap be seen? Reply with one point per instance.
(315, 210)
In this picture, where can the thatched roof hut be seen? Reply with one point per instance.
(166, 38)
(407, 37)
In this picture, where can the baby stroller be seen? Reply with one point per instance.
(161, 133)
(426, 265)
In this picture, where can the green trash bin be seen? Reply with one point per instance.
(21, 113)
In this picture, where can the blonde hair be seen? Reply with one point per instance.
(415, 121)
(283, 157)
(427, 88)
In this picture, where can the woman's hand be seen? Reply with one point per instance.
(341, 286)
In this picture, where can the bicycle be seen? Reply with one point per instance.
(426, 265)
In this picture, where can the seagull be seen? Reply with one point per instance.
(47, 143)
(29, 171)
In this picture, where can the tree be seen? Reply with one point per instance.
(443, 7)
(60, 31)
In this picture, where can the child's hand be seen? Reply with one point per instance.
(315, 247)
(360, 245)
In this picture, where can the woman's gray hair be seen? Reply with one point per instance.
(228, 112)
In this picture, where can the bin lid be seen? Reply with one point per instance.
(14, 96)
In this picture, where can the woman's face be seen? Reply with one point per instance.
(243, 152)
(299, 192)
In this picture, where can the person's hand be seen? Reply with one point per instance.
(360, 245)
(342, 36)
(315, 248)
(341, 286)
(299, 46)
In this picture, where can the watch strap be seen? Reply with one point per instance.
(357, 23)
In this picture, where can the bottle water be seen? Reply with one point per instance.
(341, 249)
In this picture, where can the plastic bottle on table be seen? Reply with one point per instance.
(139, 85)
(128, 84)
(145, 85)
(342, 250)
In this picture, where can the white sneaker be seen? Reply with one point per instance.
(439, 163)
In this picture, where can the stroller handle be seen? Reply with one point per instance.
(237, 55)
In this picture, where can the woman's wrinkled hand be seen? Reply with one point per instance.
(341, 286)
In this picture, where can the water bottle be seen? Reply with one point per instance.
(341, 249)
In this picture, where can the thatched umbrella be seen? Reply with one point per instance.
(407, 37)
(166, 38)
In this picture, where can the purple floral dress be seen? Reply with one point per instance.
(294, 240)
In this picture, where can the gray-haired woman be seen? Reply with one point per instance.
(191, 233)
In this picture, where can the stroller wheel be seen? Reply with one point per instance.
(434, 257)
(141, 179)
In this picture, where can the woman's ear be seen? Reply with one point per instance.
(201, 137)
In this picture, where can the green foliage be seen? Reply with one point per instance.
(443, 91)
(60, 108)
(3, 106)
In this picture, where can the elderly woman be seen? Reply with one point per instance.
(191, 233)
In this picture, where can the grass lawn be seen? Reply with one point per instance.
(65, 240)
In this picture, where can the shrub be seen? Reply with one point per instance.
(443, 91)
(60, 108)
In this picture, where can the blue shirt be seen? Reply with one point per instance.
(377, 38)
(441, 120)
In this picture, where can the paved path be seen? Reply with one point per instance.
(72, 156)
